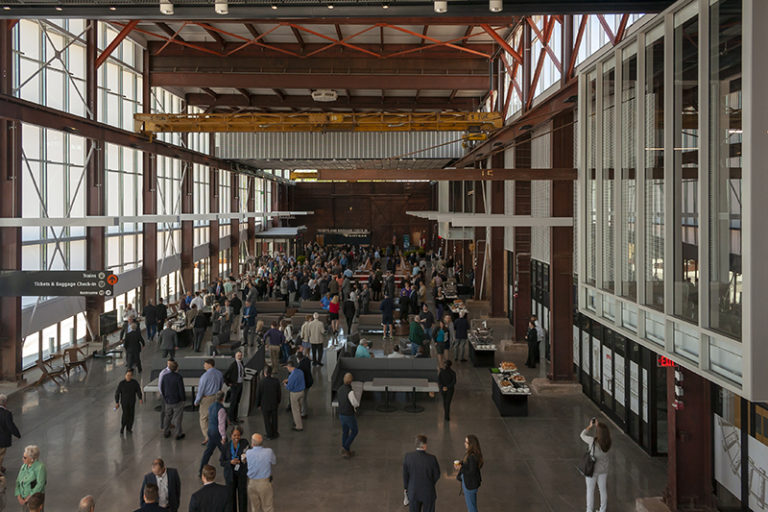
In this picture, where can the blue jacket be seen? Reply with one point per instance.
(295, 382)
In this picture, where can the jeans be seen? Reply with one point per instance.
(470, 498)
(348, 430)
(151, 331)
(460, 349)
(214, 441)
(317, 353)
(602, 486)
(199, 333)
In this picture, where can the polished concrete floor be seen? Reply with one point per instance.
(530, 462)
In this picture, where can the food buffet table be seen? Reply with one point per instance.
(509, 390)
(482, 350)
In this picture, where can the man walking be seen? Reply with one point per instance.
(127, 392)
(217, 429)
(150, 320)
(260, 461)
(132, 344)
(461, 326)
(234, 379)
(274, 339)
(168, 485)
(348, 403)
(210, 384)
(198, 329)
(169, 341)
(211, 497)
(268, 399)
(446, 380)
(420, 474)
(174, 396)
(295, 386)
(249, 322)
(316, 339)
(7, 429)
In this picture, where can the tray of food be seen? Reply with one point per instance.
(507, 366)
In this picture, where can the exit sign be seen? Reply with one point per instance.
(662, 361)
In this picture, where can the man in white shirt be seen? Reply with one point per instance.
(199, 302)
(396, 352)
(168, 485)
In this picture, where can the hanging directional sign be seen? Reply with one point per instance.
(56, 283)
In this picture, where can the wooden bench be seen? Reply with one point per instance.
(49, 371)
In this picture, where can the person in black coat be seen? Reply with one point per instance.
(421, 472)
(235, 471)
(349, 312)
(305, 365)
(7, 429)
(125, 396)
(211, 497)
(161, 312)
(446, 380)
(234, 377)
(469, 471)
(198, 330)
(268, 399)
(532, 338)
(150, 320)
(150, 496)
(174, 483)
(132, 343)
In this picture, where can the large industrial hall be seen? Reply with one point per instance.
(383, 255)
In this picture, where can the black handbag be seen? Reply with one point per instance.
(587, 465)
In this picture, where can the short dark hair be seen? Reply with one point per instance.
(209, 473)
(151, 493)
(268, 370)
(35, 502)
(173, 365)
(421, 441)
(210, 361)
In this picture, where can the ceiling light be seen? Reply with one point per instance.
(495, 5)
(6, 7)
(273, 6)
(385, 6)
(59, 8)
(112, 8)
(222, 7)
(330, 6)
(166, 7)
(441, 6)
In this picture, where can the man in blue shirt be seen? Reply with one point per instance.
(273, 338)
(249, 322)
(259, 461)
(210, 384)
(362, 349)
(295, 385)
(326, 301)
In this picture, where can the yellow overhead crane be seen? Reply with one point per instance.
(475, 124)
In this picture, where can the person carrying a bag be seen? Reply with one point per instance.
(594, 465)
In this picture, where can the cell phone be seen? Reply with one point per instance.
(593, 420)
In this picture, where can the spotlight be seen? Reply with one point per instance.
(166, 7)
(441, 6)
(385, 6)
(274, 7)
(6, 7)
(330, 6)
(112, 8)
(495, 5)
(222, 7)
(59, 8)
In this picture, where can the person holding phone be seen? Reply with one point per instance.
(597, 435)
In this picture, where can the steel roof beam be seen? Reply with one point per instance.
(465, 174)
(361, 102)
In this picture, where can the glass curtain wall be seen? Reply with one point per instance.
(725, 167)
(686, 154)
(609, 175)
(629, 88)
(591, 196)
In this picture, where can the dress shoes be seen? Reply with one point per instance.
(180, 437)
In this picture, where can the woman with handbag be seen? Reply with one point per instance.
(595, 464)
(469, 471)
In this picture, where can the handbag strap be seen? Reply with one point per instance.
(592, 449)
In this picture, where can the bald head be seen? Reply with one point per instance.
(87, 504)
(256, 440)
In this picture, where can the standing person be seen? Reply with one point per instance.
(348, 404)
(198, 329)
(211, 497)
(150, 320)
(302, 363)
(598, 438)
(234, 377)
(235, 471)
(217, 429)
(32, 475)
(274, 339)
(174, 396)
(295, 386)
(161, 313)
(260, 461)
(7, 429)
(132, 344)
(415, 336)
(316, 339)
(168, 485)
(469, 471)
(349, 311)
(440, 342)
(450, 335)
(268, 399)
(248, 322)
(461, 327)
(446, 379)
(150, 496)
(387, 316)
(427, 319)
(540, 337)
(333, 314)
(365, 298)
(169, 341)
(210, 384)
(304, 335)
(533, 344)
(127, 392)
(421, 472)
(129, 315)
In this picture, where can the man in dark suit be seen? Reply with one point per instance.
(212, 497)
(7, 429)
(234, 377)
(132, 344)
(168, 485)
(268, 399)
(149, 499)
(420, 474)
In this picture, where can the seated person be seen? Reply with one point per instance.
(396, 353)
(363, 349)
(326, 301)
(422, 353)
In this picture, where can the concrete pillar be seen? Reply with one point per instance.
(495, 274)
(522, 235)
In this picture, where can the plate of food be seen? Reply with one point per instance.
(518, 378)
(507, 366)
(505, 383)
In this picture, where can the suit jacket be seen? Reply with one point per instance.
(226, 457)
(420, 474)
(133, 342)
(150, 507)
(268, 394)
(210, 498)
(174, 488)
(7, 428)
(230, 376)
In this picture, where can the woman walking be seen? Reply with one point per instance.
(333, 315)
(469, 471)
(598, 438)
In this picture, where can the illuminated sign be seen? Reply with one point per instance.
(664, 362)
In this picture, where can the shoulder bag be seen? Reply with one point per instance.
(587, 464)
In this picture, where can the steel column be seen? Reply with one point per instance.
(149, 204)
(10, 206)
(234, 199)
(526, 66)
(522, 236)
(496, 271)
(187, 226)
(252, 220)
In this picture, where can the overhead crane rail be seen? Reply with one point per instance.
(470, 122)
